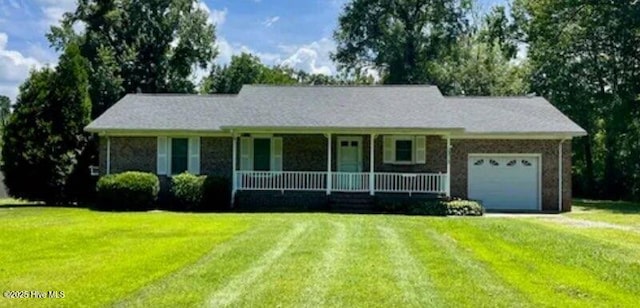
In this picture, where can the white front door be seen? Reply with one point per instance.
(349, 163)
(505, 182)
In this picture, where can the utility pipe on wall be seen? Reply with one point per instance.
(560, 174)
(108, 155)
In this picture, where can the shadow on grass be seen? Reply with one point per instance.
(616, 207)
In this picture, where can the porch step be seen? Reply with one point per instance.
(351, 202)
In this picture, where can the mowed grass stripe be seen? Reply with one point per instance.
(286, 281)
(98, 258)
(618, 250)
(366, 273)
(417, 289)
(542, 266)
(174, 287)
(453, 268)
(240, 284)
(333, 254)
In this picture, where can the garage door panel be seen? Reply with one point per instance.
(504, 182)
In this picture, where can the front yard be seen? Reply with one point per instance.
(589, 257)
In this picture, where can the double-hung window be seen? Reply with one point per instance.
(404, 150)
(261, 153)
(177, 155)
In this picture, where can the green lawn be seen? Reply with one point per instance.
(619, 212)
(174, 259)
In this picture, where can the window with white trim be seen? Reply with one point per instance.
(261, 153)
(177, 155)
(404, 150)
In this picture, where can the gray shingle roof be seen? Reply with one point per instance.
(147, 112)
(347, 107)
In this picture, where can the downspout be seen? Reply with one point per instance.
(448, 183)
(234, 173)
(329, 182)
(108, 155)
(560, 174)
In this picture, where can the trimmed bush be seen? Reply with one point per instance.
(464, 208)
(428, 208)
(391, 206)
(128, 191)
(216, 193)
(200, 193)
(187, 191)
(435, 207)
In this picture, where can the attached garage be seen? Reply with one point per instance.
(505, 182)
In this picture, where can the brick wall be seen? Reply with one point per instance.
(548, 150)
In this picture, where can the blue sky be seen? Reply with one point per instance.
(291, 32)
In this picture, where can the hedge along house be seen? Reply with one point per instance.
(305, 144)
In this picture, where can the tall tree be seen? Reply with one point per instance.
(244, 69)
(485, 60)
(133, 45)
(44, 139)
(5, 110)
(400, 38)
(584, 56)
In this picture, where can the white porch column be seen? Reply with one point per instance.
(371, 164)
(234, 174)
(328, 163)
(108, 155)
(448, 166)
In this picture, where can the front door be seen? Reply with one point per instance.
(349, 163)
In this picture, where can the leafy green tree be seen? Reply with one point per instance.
(244, 69)
(584, 58)
(45, 138)
(402, 39)
(485, 63)
(132, 45)
(5, 110)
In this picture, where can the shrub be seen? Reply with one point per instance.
(428, 207)
(216, 193)
(128, 191)
(464, 208)
(187, 191)
(391, 206)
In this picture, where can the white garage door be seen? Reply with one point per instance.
(504, 182)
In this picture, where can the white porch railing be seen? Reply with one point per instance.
(411, 182)
(350, 181)
(282, 180)
(342, 181)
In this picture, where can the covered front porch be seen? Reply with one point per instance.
(401, 162)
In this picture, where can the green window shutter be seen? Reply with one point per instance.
(276, 154)
(421, 149)
(194, 155)
(246, 153)
(179, 155)
(162, 162)
(262, 154)
(388, 149)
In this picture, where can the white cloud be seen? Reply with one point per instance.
(54, 9)
(14, 68)
(270, 21)
(313, 57)
(216, 17)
